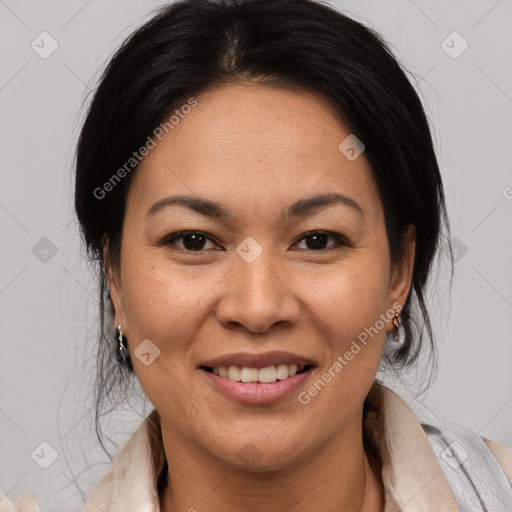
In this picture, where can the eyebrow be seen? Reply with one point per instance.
(299, 208)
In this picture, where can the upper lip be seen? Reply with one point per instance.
(248, 360)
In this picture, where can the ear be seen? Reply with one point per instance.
(401, 278)
(114, 283)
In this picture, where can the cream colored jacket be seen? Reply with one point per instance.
(424, 468)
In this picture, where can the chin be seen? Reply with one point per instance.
(260, 456)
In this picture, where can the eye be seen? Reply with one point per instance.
(195, 241)
(192, 240)
(318, 239)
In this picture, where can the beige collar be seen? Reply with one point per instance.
(412, 477)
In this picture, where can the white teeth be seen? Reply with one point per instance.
(282, 371)
(268, 374)
(249, 375)
(234, 373)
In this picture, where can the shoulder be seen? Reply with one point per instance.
(27, 502)
(444, 456)
(503, 455)
(477, 469)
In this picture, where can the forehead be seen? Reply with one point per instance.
(251, 145)
(252, 120)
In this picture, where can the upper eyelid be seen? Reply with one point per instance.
(180, 234)
(341, 239)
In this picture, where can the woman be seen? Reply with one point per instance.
(258, 183)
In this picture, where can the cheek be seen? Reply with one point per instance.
(350, 297)
(351, 308)
(167, 303)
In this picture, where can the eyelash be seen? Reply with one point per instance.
(341, 242)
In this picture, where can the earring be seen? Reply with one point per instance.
(121, 350)
(399, 333)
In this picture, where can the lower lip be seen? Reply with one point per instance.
(256, 392)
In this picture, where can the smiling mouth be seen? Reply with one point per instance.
(266, 375)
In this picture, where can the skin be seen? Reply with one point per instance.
(256, 149)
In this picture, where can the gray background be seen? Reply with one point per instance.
(49, 308)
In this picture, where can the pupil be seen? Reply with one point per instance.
(197, 241)
(320, 240)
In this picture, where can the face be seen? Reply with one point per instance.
(265, 278)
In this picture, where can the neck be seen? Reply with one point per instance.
(335, 477)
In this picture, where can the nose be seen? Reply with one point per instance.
(257, 296)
